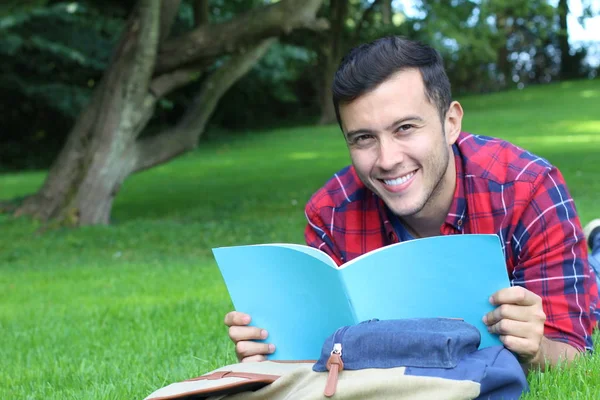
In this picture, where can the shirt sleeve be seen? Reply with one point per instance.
(317, 235)
(553, 262)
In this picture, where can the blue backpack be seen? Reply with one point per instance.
(440, 348)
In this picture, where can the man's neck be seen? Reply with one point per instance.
(423, 227)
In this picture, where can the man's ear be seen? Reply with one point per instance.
(453, 122)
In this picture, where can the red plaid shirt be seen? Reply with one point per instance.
(500, 189)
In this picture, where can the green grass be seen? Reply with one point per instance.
(117, 312)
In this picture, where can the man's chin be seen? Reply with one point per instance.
(403, 213)
(403, 210)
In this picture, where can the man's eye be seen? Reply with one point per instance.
(404, 128)
(362, 138)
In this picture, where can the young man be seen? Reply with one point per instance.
(415, 174)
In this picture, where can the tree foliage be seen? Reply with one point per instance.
(113, 135)
(54, 53)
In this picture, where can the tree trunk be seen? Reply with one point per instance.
(386, 12)
(563, 40)
(201, 12)
(184, 137)
(104, 147)
(332, 55)
(90, 169)
(502, 54)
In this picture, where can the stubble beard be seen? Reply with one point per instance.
(431, 193)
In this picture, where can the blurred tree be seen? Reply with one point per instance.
(281, 89)
(352, 22)
(563, 38)
(494, 44)
(571, 62)
(52, 57)
(461, 31)
(332, 51)
(109, 142)
(386, 12)
(292, 84)
(8, 7)
(521, 30)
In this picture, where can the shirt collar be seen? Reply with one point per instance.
(457, 214)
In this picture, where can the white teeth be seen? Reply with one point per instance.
(398, 181)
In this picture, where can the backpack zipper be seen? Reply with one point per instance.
(334, 363)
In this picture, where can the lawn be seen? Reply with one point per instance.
(117, 312)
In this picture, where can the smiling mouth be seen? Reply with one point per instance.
(400, 180)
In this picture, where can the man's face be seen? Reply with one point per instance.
(400, 148)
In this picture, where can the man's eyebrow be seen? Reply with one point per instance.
(399, 121)
(360, 132)
(404, 119)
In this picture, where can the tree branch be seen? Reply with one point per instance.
(168, 13)
(184, 137)
(339, 12)
(211, 41)
(201, 12)
(166, 83)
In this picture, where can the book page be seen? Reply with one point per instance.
(308, 250)
(296, 297)
(443, 276)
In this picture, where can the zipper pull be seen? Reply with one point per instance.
(334, 365)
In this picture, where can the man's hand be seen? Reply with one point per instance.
(245, 348)
(519, 320)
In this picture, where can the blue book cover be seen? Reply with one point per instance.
(300, 296)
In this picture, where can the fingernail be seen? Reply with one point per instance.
(246, 319)
(491, 299)
(484, 319)
(264, 334)
(271, 348)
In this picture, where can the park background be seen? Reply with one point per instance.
(137, 135)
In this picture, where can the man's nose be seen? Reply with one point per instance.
(390, 155)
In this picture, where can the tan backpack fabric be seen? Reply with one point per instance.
(291, 381)
(395, 359)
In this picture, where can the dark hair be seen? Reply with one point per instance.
(368, 65)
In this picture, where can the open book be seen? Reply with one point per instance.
(299, 295)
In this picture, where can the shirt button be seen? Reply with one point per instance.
(459, 223)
